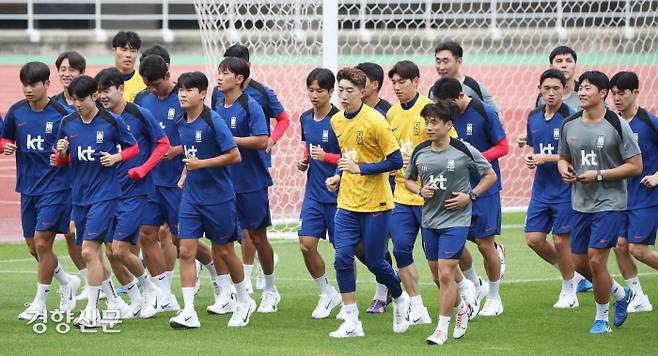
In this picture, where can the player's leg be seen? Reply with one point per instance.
(641, 236)
(29, 221)
(537, 225)
(169, 249)
(382, 298)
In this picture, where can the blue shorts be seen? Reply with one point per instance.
(162, 207)
(405, 223)
(129, 216)
(545, 217)
(444, 244)
(254, 209)
(486, 218)
(217, 222)
(95, 222)
(595, 230)
(639, 226)
(48, 212)
(317, 219)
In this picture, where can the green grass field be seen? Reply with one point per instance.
(528, 325)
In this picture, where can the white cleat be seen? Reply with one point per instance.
(136, 310)
(169, 303)
(242, 314)
(341, 313)
(33, 312)
(89, 318)
(326, 304)
(470, 296)
(124, 311)
(225, 303)
(419, 316)
(67, 294)
(197, 281)
(461, 322)
(437, 338)
(152, 302)
(480, 293)
(269, 302)
(401, 320)
(349, 328)
(566, 301)
(260, 276)
(185, 319)
(501, 254)
(640, 304)
(493, 307)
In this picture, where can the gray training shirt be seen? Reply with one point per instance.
(604, 145)
(449, 169)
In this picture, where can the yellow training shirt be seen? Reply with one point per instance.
(133, 86)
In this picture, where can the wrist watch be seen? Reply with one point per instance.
(472, 195)
(599, 176)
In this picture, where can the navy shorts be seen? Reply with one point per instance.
(545, 217)
(48, 212)
(129, 217)
(444, 244)
(405, 224)
(317, 219)
(595, 230)
(162, 207)
(486, 217)
(254, 209)
(639, 226)
(217, 222)
(95, 222)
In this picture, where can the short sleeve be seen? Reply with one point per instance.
(479, 163)
(301, 126)
(9, 126)
(275, 105)
(412, 170)
(629, 146)
(528, 133)
(257, 121)
(124, 137)
(487, 97)
(223, 136)
(563, 147)
(496, 131)
(385, 138)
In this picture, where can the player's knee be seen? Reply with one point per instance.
(621, 248)
(485, 245)
(403, 258)
(88, 254)
(307, 249)
(343, 261)
(41, 247)
(561, 242)
(638, 251)
(446, 276)
(70, 237)
(596, 263)
(186, 252)
(532, 241)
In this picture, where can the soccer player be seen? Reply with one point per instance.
(444, 165)
(478, 124)
(208, 202)
(448, 60)
(598, 151)
(251, 178)
(321, 154)
(125, 46)
(369, 152)
(550, 206)
(639, 231)
(30, 132)
(135, 184)
(564, 59)
(70, 65)
(273, 109)
(88, 140)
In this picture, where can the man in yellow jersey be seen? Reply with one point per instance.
(125, 48)
(369, 152)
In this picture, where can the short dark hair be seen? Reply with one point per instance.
(447, 88)
(126, 38)
(553, 73)
(373, 71)
(158, 51)
(452, 46)
(405, 69)
(444, 110)
(34, 72)
(235, 65)
(625, 80)
(82, 87)
(562, 50)
(596, 78)
(191, 80)
(109, 77)
(237, 50)
(153, 67)
(354, 75)
(76, 60)
(323, 76)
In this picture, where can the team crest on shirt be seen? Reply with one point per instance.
(99, 136)
(600, 141)
(469, 129)
(416, 128)
(637, 136)
(422, 166)
(234, 122)
(325, 135)
(197, 136)
(171, 114)
(451, 165)
(128, 127)
(556, 134)
(359, 137)
(49, 127)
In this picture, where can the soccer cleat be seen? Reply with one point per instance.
(341, 313)
(349, 328)
(197, 281)
(326, 303)
(583, 286)
(242, 314)
(566, 301)
(169, 303)
(461, 322)
(269, 301)
(492, 307)
(260, 275)
(185, 319)
(89, 318)
(640, 304)
(470, 296)
(438, 337)
(419, 316)
(124, 310)
(621, 306)
(136, 310)
(401, 320)
(377, 306)
(501, 253)
(225, 303)
(480, 292)
(67, 295)
(33, 312)
(600, 327)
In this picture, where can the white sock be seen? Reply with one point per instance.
(62, 277)
(568, 286)
(170, 278)
(247, 271)
(42, 294)
(161, 281)
(473, 277)
(323, 285)
(84, 273)
(188, 298)
(133, 292)
(380, 292)
(602, 312)
(444, 323)
(224, 282)
(211, 269)
(416, 301)
(93, 297)
(462, 286)
(241, 290)
(617, 291)
(108, 289)
(145, 281)
(634, 284)
(351, 312)
(493, 290)
(269, 282)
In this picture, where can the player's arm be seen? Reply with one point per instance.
(227, 158)
(488, 177)
(392, 162)
(181, 180)
(8, 141)
(280, 115)
(630, 168)
(252, 142)
(157, 134)
(129, 147)
(258, 132)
